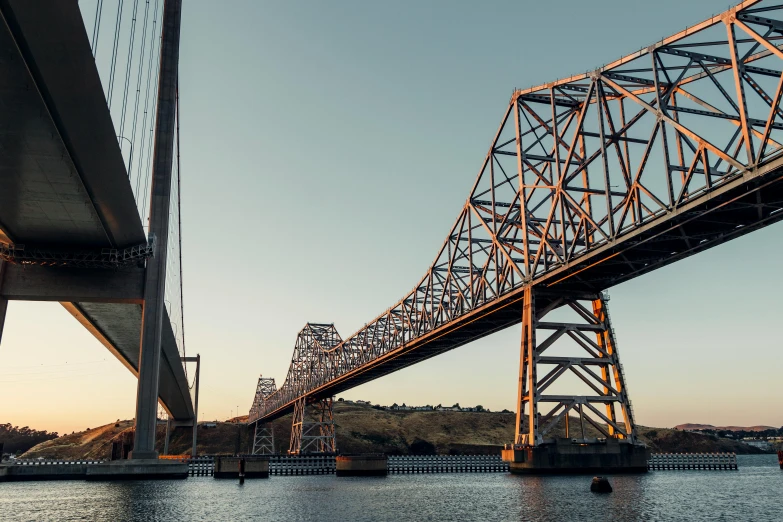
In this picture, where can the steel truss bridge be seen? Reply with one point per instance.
(590, 181)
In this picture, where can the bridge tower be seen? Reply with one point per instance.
(155, 276)
(312, 430)
(560, 428)
(263, 434)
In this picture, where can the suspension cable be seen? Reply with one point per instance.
(113, 68)
(146, 107)
(96, 27)
(140, 73)
(129, 63)
(147, 153)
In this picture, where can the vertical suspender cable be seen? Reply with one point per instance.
(179, 223)
(129, 63)
(148, 154)
(140, 74)
(117, 31)
(140, 163)
(96, 27)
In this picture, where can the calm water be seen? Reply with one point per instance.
(755, 492)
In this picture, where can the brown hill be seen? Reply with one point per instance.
(363, 429)
(691, 426)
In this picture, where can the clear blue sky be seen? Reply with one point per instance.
(327, 148)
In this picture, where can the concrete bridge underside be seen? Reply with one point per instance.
(63, 184)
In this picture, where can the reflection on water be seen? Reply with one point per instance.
(752, 493)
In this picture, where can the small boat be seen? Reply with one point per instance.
(780, 459)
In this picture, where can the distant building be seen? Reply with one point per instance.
(760, 444)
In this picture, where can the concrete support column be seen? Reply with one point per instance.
(195, 408)
(155, 279)
(3, 302)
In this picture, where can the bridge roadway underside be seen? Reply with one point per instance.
(738, 207)
(63, 183)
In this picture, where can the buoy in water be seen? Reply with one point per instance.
(600, 485)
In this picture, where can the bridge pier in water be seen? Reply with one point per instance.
(562, 431)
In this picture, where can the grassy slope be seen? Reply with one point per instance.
(363, 429)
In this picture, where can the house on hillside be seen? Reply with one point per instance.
(760, 444)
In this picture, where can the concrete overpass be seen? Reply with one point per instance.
(70, 230)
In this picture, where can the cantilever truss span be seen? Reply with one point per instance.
(263, 435)
(590, 181)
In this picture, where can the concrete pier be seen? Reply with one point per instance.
(92, 470)
(138, 469)
(153, 309)
(228, 467)
(361, 466)
(568, 456)
(3, 301)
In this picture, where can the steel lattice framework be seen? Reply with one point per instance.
(590, 181)
(312, 429)
(263, 435)
(264, 389)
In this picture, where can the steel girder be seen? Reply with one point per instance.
(590, 181)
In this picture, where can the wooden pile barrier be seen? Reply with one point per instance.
(301, 464)
(696, 461)
(447, 464)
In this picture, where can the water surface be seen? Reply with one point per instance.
(754, 492)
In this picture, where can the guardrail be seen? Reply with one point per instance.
(45, 462)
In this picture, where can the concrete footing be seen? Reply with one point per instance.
(138, 469)
(568, 456)
(361, 466)
(116, 470)
(229, 467)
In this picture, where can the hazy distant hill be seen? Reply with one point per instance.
(362, 429)
(691, 426)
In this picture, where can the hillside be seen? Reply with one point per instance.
(15, 439)
(363, 429)
(691, 426)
